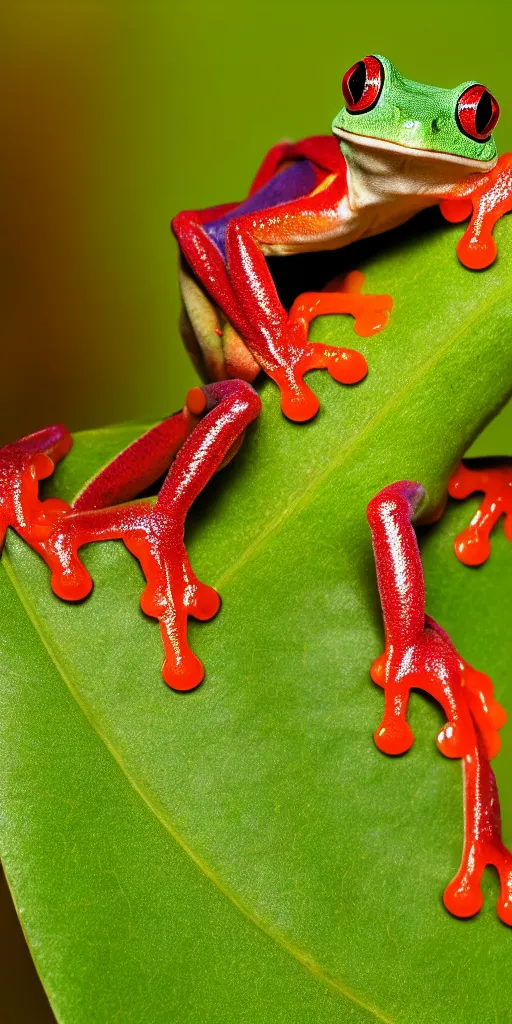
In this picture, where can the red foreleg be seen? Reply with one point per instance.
(485, 202)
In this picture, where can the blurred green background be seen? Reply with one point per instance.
(116, 115)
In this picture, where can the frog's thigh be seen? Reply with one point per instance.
(200, 327)
(217, 350)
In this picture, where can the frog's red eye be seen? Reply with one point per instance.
(362, 85)
(477, 113)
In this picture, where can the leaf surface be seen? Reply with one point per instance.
(243, 853)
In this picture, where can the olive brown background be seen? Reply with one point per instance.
(114, 116)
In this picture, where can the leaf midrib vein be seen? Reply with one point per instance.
(293, 508)
(290, 947)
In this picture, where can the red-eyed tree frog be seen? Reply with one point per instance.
(397, 147)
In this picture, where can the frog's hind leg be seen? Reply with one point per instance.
(216, 348)
(419, 653)
(213, 324)
(201, 327)
(154, 534)
(483, 843)
(142, 462)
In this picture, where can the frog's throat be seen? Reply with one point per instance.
(381, 172)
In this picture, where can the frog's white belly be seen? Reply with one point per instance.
(348, 225)
(386, 186)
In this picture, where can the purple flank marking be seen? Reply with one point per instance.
(295, 181)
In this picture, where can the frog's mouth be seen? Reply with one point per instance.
(368, 141)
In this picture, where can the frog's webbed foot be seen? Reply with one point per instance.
(478, 689)
(472, 546)
(485, 204)
(298, 356)
(488, 715)
(344, 294)
(298, 401)
(430, 664)
(22, 465)
(154, 534)
(482, 840)
(172, 593)
(419, 654)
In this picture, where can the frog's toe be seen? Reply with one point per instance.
(472, 547)
(345, 365)
(348, 367)
(298, 402)
(456, 210)
(184, 673)
(476, 254)
(504, 906)
(463, 898)
(371, 322)
(452, 740)
(378, 670)
(72, 584)
(394, 737)
(205, 604)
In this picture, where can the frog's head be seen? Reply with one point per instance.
(390, 112)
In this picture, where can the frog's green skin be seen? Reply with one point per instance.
(415, 117)
(404, 154)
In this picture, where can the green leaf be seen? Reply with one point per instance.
(243, 853)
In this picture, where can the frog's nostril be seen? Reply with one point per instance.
(436, 127)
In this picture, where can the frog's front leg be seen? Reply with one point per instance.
(279, 342)
(418, 654)
(472, 546)
(485, 201)
(243, 288)
(155, 533)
